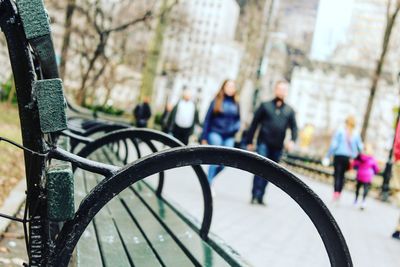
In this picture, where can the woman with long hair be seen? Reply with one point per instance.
(345, 145)
(222, 122)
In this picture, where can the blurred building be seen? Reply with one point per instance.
(332, 24)
(323, 94)
(199, 50)
(256, 17)
(297, 19)
(346, 46)
(350, 32)
(289, 40)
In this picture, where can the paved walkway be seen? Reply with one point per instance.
(281, 234)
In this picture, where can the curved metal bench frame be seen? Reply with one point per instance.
(313, 206)
(148, 136)
(133, 134)
(103, 128)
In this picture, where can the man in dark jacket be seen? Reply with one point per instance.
(274, 117)
(142, 113)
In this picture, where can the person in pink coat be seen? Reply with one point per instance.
(396, 233)
(366, 167)
(396, 151)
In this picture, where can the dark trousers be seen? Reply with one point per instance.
(259, 183)
(366, 187)
(182, 134)
(141, 124)
(340, 165)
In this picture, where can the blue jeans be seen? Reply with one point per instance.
(216, 139)
(259, 183)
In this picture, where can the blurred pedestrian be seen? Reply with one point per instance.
(222, 122)
(243, 139)
(396, 233)
(165, 117)
(346, 144)
(142, 113)
(183, 118)
(366, 166)
(396, 149)
(306, 136)
(274, 118)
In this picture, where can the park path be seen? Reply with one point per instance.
(281, 234)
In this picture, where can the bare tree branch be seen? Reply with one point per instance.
(126, 25)
(379, 66)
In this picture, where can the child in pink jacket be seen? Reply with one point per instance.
(366, 167)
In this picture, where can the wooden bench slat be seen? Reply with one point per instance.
(87, 251)
(167, 249)
(203, 253)
(200, 250)
(135, 243)
(112, 250)
(172, 239)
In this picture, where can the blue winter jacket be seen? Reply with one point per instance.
(341, 145)
(225, 123)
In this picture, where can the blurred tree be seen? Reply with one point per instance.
(69, 12)
(104, 25)
(99, 35)
(153, 54)
(393, 8)
(254, 23)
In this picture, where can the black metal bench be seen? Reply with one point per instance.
(144, 229)
(176, 234)
(53, 227)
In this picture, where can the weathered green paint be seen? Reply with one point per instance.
(51, 104)
(60, 187)
(34, 18)
(60, 192)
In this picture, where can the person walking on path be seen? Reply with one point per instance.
(396, 234)
(274, 117)
(183, 118)
(396, 150)
(165, 117)
(142, 113)
(222, 122)
(366, 166)
(346, 144)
